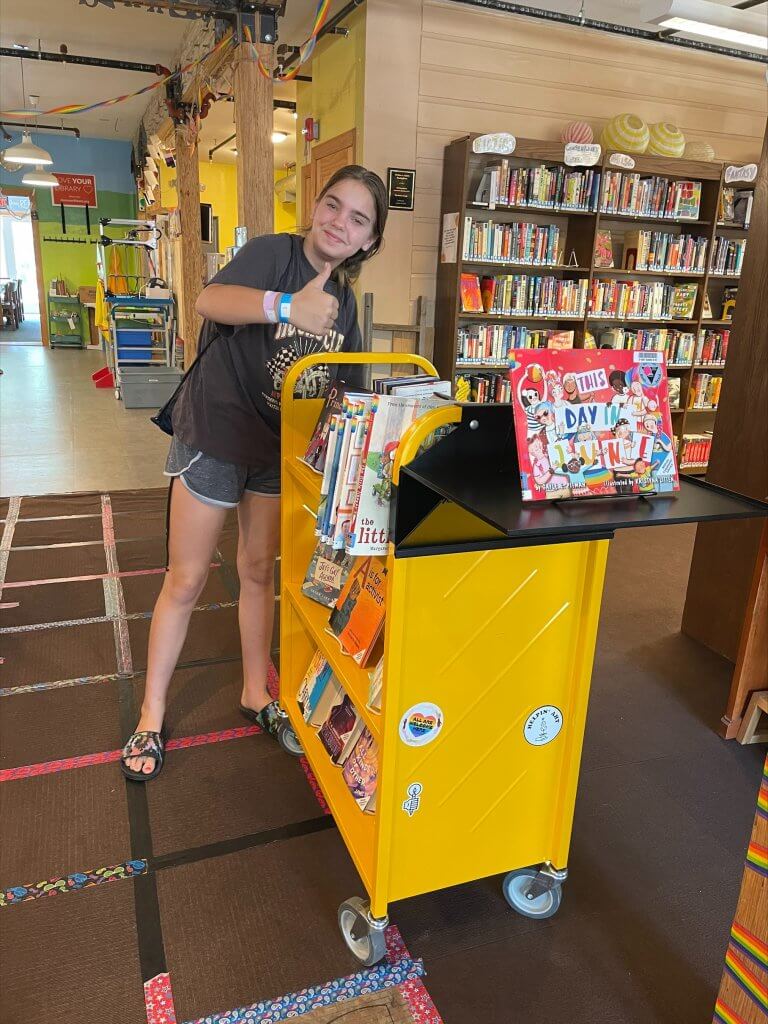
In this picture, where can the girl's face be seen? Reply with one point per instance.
(536, 447)
(636, 388)
(343, 222)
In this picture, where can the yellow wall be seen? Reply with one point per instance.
(220, 181)
(435, 71)
(335, 96)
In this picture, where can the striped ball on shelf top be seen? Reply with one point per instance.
(577, 131)
(698, 151)
(666, 140)
(626, 133)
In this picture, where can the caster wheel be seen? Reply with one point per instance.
(289, 741)
(117, 394)
(514, 887)
(364, 938)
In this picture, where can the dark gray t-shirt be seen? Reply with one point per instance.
(229, 406)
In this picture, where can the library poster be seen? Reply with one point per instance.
(592, 422)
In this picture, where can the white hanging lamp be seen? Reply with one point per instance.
(26, 152)
(40, 177)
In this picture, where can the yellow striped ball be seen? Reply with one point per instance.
(698, 151)
(627, 133)
(666, 140)
(577, 131)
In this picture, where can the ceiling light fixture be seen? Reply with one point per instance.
(279, 137)
(39, 176)
(711, 20)
(26, 152)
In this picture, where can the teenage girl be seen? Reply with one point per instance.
(281, 297)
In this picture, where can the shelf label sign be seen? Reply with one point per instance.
(412, 804)
(621, 160)
(498, 142)
(582, 154)
(75, 190)
(421, 724)
(449, 248)
(543, 725)
(747, 172)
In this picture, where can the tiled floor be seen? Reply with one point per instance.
(59, 433)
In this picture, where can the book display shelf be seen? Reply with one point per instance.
(564, 291)
(492, 608)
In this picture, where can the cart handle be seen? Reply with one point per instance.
(350, 358)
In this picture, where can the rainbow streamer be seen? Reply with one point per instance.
(748, 981)
(305, 50)
(757, 858)
(83, 108)
(750, 944)
(762, 801)
(725, 1015)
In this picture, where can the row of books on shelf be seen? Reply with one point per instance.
(523, 295)
(486, 388)
(728, 256)
(495, 343)
(353, 447)
(542, 187)
(704, 392)
(491, 241)
(664, 252)
(694, 453)
(681, 348)
(643, 300)
(735, 207)
(350, 746)
(652, 196)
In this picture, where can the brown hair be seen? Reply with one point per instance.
(348, 271)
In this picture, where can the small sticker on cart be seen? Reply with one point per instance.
(411, 805)
(421, 724)
(543, 725)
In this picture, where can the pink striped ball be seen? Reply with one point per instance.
(577, 131)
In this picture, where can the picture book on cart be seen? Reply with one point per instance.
(592, 422)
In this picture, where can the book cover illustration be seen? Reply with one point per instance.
(591, 423)
(337, 727)
(361, 770)
(334, 402)
(358, 617)
(314, 682)
(604, 250)
(327, 573)
(471, 300)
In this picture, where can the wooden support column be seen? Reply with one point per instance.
(725, 554)
(253, 127)
(189, 267)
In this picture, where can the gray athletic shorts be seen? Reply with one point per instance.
(216, 482)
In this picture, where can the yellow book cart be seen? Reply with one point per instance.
(491, 622)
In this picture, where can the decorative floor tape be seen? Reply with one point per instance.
(91, 576)
(71, 883)
(158, 999)
(129, 616)
(755, 948)
(58, 684)
(757, 858)
(725, 1015)
(6, 540)
(746, 979)
(29, 771)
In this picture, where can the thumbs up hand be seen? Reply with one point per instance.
(313, 309)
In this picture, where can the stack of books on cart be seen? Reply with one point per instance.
(342, 732)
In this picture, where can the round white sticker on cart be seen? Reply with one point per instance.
(543, 725)
(421, 724)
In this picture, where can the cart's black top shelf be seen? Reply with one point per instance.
(495, 497)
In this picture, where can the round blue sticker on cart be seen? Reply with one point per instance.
(421, 724)
(543, 725)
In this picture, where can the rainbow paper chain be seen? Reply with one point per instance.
(305, 50)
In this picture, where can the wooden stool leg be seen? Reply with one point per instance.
(758, 705)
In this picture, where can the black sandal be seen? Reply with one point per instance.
(144, 744)
(269, 718)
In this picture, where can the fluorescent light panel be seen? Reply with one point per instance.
(713, 21)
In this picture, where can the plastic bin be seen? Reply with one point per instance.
(134, 345)
(147, 387)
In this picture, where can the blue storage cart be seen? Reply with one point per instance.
(141, 334)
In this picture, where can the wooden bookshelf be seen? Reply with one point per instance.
(462, 172)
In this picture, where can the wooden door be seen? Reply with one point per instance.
(327, 158)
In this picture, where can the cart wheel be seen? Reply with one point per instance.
(363, 934)
(117, 394)
(515, 887)
(289, 741)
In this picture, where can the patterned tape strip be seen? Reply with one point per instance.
(14, 505)
(419, 1001)
(375, 979)
(29, 771)
(725, 1015)
(8, 691)
(762, 800)
(746, 979)
(114, 598)
(158, 1000)
(755, 948)
(91, 576)
(130, 616)
(757, 858)
(71, 883)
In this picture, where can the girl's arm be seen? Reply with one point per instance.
(312, 309)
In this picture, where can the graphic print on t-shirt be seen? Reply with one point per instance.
(313, 382)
